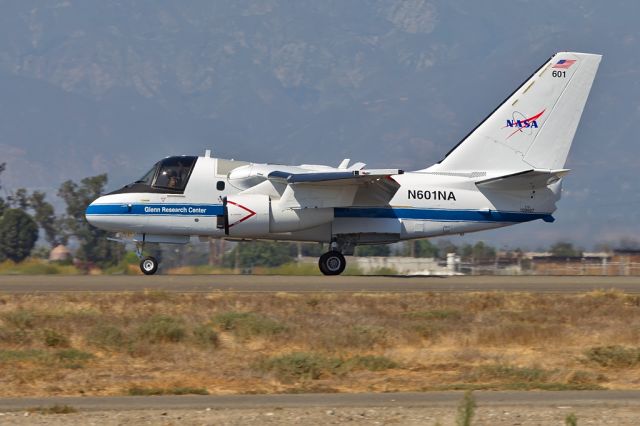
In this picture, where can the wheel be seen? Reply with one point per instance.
(149, 265)
(332, 263)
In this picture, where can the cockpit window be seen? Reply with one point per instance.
(168, 176)
(148, 177)
(173, 173)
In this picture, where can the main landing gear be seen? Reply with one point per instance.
(148, 264)
(332, 263)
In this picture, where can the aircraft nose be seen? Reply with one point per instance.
(91, 212)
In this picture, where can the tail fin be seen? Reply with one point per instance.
(534, 127)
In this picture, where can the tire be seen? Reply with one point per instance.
(149, 265)
(332, 263)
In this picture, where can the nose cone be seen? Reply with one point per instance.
(93, 213)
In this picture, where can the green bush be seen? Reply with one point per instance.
(106, 337)
(54, 339)
(138, 391)
(206, 336)
(436, 314)
(19, 336)
(20, 318)
(162, 329)
(614, 356)
(299, 365)
(369, 362)
(248, 324)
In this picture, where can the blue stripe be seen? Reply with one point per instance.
(155, 209)
(440, 214)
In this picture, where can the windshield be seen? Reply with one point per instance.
(148, 177)
(173, 172)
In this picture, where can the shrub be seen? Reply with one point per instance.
(14, 336)
(161, 329)
(299, 365)
(20, 318)
(369, 362)
(72, 355)
(511, 373)
(54, 339)
(204, 335)
(614, 356)
(139, 391)
(437, 314)
(248, 324)
(54, 409)
(106, 337)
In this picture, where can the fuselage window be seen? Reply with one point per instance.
(220, 185)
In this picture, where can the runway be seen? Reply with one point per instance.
(334, 400)
(303, 284)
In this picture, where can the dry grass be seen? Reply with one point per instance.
(107, 344)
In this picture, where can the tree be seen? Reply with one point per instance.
(259, 253)
(94, 246)
(45, 217)
(373, 250)
(2, 202)
(565, 249)
(425, 248)
(18, 235)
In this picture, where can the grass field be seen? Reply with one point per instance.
(168, 343)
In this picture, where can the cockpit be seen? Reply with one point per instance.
(166, 176)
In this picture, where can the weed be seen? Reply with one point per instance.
(369, 362)
(14, 336)
(20, 318)
(54, 409)
(205, 336)
(466, 409)
(161, 329)
(512, 374)
(438, 314)
(22, 355)
(248, 324)
(299, 365)
(571, 420)
(138, 391)
(614, 356)
(54, 339)
(106, 337)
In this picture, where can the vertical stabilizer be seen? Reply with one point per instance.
(534, 127)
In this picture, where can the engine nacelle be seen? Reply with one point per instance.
(255, 216)
(247, 215)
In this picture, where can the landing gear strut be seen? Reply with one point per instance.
(148, 264)
(332, 263)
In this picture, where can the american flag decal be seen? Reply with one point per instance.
(564, 63)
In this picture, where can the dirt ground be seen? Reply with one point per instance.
(503, 416)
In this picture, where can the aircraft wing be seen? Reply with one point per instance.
(351, 177)
(334, 189)
(528, 179)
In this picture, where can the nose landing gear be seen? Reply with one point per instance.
(148, 264)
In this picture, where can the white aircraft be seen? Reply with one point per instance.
(508, 170)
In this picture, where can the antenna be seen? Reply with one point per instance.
(207, 153)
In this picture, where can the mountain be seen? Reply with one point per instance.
(90, 86)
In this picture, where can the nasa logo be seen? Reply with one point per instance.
(523, 123)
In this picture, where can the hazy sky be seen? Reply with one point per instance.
(88, 87)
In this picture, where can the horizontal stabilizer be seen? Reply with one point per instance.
(528, 179)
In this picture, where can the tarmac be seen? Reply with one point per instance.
(304, 284)
(334, 400)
